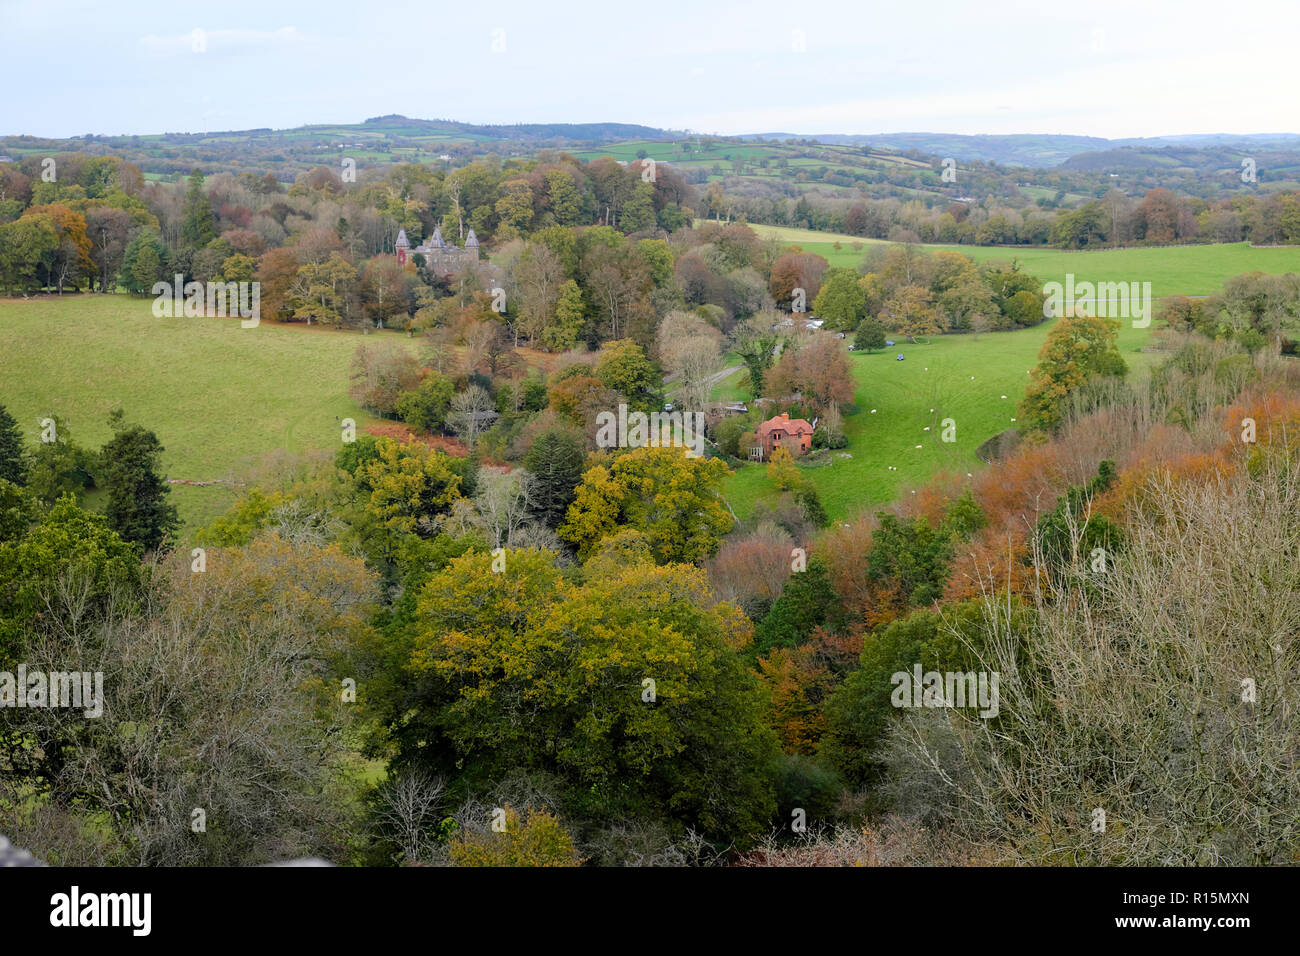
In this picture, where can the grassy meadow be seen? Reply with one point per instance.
(219, 397)
(1171, 270)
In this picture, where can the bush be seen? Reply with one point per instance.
(537, 840)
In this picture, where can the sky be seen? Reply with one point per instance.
(1106, 68)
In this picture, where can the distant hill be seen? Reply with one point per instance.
(1038, 151)
(287, 152)
(521, 132)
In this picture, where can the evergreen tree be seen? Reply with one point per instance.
(810, 503)
(870, 335)
(13, 457)
(807, 602)
(138, 509)
(556, 461)
(142, 262)
(198, 226)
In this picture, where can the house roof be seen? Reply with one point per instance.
(795, 426)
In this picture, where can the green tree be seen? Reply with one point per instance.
(861, 709)
(26, 248)
(198, 225)
(59, 465)
(515, 670)
(841, 301)
(555, 461)
(143, 262)
(138, 509)
(870, 335)
(562, 331)
(426, 406)
(911, 555)
(13, 456)
(1072, 533)
(563, 197)
(810, 503)
(69, 543)
(807, 602)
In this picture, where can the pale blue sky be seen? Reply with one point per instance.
(804, 66)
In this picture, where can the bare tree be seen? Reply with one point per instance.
(1149, 714)
(408, 808)
(503, 503)
(471, 413)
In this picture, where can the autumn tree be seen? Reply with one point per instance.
(472, 413)
(539, 275)
(671, 498)
(381, 375)
(508, 667)
(781, 470)
(383, 289)
(689, 348)
(910, 311)
(324, 291)
(817, 370)
(796, 270)
(1077, 348)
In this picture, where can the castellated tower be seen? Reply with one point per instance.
(441, 257)
(403, 247)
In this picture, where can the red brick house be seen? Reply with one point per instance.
(792, 434)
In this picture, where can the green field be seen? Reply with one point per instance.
(220, 397)
(956, 376)
(1171, 270)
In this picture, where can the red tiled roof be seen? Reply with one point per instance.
(795, 426)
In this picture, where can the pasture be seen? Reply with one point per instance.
(219, 397)
(976, 383)
(1171, 270)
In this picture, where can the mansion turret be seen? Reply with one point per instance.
(441, 257)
